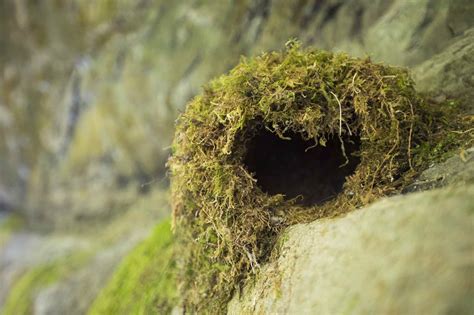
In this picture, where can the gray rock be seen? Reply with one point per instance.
(409, 254)
(457, 170)
(451, 72)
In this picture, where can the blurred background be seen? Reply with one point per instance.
(90, 90)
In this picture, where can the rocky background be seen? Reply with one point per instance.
(89, 91)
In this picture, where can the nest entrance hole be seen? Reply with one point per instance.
(292, 168)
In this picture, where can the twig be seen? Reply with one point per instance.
(340, 131)
(340, 113)
(410, 135)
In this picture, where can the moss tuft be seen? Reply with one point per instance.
(145, 282)
(251, 152)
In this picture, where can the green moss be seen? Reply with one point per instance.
(227, 224)
(27, 285)
(11, 223)
(8, 226)
(450, 131)
(145, 282)
(21, 297)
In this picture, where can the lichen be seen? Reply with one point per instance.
(226, 223)
(144, 283)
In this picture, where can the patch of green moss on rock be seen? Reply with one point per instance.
(9, 225)
(20, 300)
(145, 282)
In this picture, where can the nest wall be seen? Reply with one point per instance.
(284, 138)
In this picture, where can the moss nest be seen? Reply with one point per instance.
(284, 138)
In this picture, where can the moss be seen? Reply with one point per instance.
(450, 131)
(21, 297)
(11, 224)
(145, 282)
(367, 115)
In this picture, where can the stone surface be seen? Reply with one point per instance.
(409, 254)
(450, 73)
(82, 261)
(457, 170)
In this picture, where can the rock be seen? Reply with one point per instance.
(25, 250)
(61, 273)
(451, 72)
(396, 32)
(457, 170)
(403, 255)
(75, 293)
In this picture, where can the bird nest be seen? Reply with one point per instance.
(284, 138)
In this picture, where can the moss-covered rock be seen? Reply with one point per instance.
(62, 273)
(9, 225)
(21, 297)
(145, 282)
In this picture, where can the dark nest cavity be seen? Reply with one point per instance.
(301, 169)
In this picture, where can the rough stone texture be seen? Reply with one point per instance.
(403, 32)
(450, 73)
(403, 255)
(457, 170)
